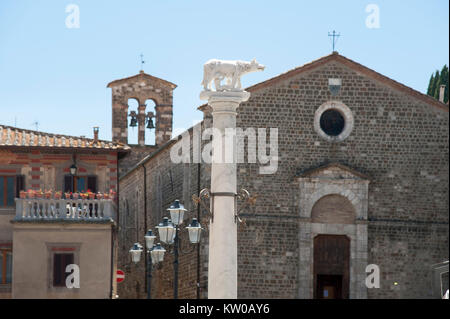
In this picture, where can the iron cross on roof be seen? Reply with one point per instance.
(142, 62)
(335, 36)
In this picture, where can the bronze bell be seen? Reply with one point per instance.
(133, 121)
(149, 119)
(150, 123)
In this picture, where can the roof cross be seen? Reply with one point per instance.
(335, 36)
(142, 62)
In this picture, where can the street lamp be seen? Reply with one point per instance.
(155, 255)
(73, 168)
(176, 212)
(195, 231)
(136, 252)
(168, 233)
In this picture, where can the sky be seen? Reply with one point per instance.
(54, 71)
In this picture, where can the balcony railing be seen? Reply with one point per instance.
(64, 209)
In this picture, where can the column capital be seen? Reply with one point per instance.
(224, 96)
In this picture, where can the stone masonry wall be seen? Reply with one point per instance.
(165, 183)
(399, 142)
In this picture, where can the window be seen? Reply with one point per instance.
(10, 186)
(332, 122)
(60, 262)
(5, 266)
(80, 183)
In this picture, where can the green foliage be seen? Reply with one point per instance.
(436, 80)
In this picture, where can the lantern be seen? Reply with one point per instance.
(157, 254)
(136, 252)
(166, 231)
(195, 231)
(176, 212)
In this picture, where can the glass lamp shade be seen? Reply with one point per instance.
(177, 212)
(149, 239)
(136, 252)
(195, 230)
(157, 254)
(166, 231)
(73, 169)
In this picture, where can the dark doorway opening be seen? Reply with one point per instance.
(331, 267)
(329, 287)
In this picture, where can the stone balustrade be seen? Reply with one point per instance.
(65, 209)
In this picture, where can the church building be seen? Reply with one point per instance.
(362, 183)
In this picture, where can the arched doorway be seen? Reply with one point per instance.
(331, 267)
(331, 251)
(333, 202)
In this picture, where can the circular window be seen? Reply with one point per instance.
(333, 121)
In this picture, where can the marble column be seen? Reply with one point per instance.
(222, 268)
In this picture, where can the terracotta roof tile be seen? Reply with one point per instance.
(17, 137)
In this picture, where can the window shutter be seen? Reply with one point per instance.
(68, 183)
(20, 184)
(57, 269)
(60, 262)
(92, 183)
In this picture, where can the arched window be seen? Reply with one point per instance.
(133, 105)
(150, 132)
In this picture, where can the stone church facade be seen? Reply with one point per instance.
(362, 179)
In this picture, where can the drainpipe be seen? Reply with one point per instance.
(114, 229)
(145, 221)
(198, 218)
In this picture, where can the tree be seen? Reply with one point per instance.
(444, 81)
(436, 80)
(430, 85)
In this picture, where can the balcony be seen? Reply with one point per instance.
(65, 210)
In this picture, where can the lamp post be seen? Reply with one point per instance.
(155, 255)
(168, 233)
(73, 168)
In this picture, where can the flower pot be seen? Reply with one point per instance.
(99, 196)
(58, 195)
(23, 194)
(91, 196)
(67, 195)
(31, 195)
(75, 195)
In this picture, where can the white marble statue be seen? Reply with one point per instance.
(218, 70)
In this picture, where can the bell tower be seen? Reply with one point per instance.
(145, 91)
(142, 87)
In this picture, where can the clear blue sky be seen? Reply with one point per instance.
(58, 76)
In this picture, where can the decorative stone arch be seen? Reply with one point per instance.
(337, 189)
(314, 185)
(333, 208)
